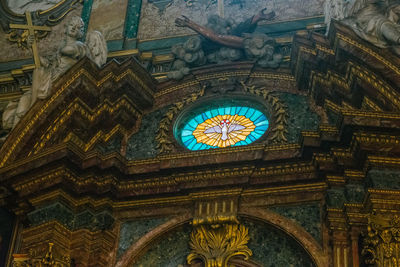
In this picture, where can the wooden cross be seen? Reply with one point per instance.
(31, 30)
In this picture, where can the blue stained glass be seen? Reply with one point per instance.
(193, 124)
(199, 119)
(260, 119)
(249, 113)
(256, 116)
(251, 138)
(262, 123)
(251, 118)
(243, 111)
(186, 133)
(187, 142)
(186, 139)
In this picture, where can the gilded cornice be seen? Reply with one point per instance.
(355, 72)
(144, 186)
(40, 109)
(369, 51)
(361, 113)
(226, 74)
(286, 189)
(115, 204)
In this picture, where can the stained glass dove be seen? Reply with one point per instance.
(224, 128)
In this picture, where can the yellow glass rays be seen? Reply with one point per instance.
(215, 138)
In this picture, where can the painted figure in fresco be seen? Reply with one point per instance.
(20, 6)
(222, 33)
(53, 66)
(376, 21)
(223, 41)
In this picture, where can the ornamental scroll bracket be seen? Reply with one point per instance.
(381, 242)
(217, 235)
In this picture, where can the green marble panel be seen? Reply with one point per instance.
(143, 144)
(384, 178)
(170, 251)
(132, 231)
(301, 117)
(61, 213)
(55, 211)
(273, 248)
(336, 197)
(132, 18)
(355, 192)
(86, 11)
(115, 45)
(306, 215)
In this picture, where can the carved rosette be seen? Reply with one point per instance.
(381, 243)
(216, 244)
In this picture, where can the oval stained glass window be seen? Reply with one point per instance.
(224, 127)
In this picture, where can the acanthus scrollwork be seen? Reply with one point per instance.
(216, 244)
(381, 242)
(48, 260)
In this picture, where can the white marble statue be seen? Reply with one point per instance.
(53, 66)
(335, 9)
(376, 21)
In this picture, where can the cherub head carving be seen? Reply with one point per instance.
(74, 27)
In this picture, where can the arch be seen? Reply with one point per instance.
(132, 254)
(309, 244)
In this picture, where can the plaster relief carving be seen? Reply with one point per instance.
(54, 65)
(376, 22)
(224, 41)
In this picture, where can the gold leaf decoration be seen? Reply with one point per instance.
(279, 111)
(216, 244)
(381, 243)
(164, 143)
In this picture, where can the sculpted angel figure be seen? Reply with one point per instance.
(376, 21)
(53, 66)
(227, 36)
(224, 41)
